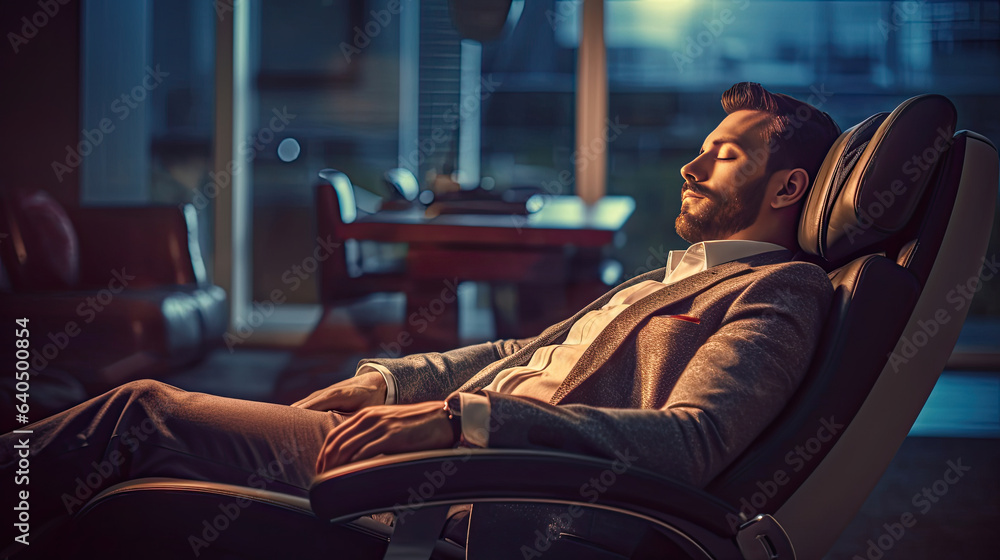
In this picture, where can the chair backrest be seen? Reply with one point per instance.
(402, 182)
(335, 206)
(340, 200)
(41, 251)
(899, 213)
(339, 203)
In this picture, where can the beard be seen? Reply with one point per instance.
(718, 215)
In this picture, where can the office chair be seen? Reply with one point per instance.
(899, 214)
(127, 285)
(356, 270)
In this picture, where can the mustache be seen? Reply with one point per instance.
(695, 188)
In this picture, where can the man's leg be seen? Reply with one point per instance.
(148, 428)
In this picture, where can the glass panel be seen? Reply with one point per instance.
(327, 88)
(529, 80)
(148, 105)
(342, 74)
(182, 115)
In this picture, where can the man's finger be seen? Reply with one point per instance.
(343, 440)
(304, 403)
(418, 438)
(349, 441)
(321, 459)
(330, 454)
(384, 444)
(320, 400)
(327, 449)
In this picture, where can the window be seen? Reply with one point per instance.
(147, 104)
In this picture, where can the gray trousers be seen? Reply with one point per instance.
(148, 428)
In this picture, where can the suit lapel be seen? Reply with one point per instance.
(552, 333)
(612, 337)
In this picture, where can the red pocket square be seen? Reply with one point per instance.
(687, 318)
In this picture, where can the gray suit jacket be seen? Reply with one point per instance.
(683, 395)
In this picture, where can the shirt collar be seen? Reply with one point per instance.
(706, 254)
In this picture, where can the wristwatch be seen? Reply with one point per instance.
(453, 408)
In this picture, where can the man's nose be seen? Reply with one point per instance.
(694, 171)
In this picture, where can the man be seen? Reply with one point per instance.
(682, 366)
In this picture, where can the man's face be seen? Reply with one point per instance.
(723, 187)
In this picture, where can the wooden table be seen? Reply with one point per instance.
(556, 250)
(563, 220)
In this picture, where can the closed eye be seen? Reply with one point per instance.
(725, 158)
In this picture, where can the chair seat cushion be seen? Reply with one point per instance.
(87, 331)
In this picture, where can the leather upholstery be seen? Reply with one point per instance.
(924, 238)
(245, 518)
(136, 302)
(869, 291)
(346, 275)
(43, 251)
(874, 178)
(152, 243)
(865, 321)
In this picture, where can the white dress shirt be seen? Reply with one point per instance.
(544, 373)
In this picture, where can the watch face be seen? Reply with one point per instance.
(455, 404)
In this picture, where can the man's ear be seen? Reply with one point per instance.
(792, 189)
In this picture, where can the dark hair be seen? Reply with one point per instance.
(802, 134)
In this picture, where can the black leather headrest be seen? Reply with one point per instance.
(873, 177)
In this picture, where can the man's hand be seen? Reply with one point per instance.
(387, 429)
(350, 395)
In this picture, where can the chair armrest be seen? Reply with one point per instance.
(499, 475)
(158, 245)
